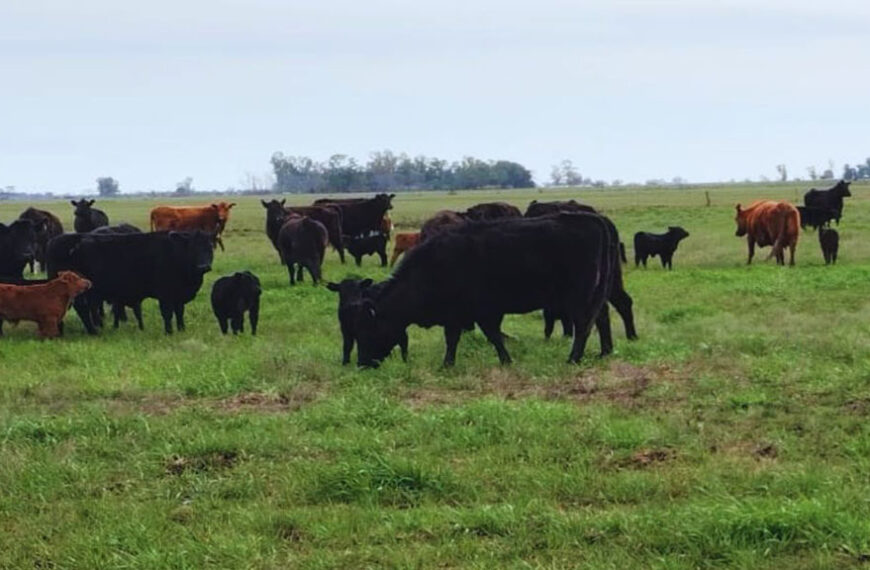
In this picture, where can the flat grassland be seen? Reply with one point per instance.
(733, 433)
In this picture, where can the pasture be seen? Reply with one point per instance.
(733, 433)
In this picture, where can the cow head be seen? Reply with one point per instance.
(223, 213)
(275, 211)
(677, 233)
(842, 188)
(75, 284)
(740, 218)
(384, 201)
(194, 249)
(82, 207)
(349, 291)
(376, 334)
(18, 240)
(248, 284)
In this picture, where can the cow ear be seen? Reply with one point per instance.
(283, 200)
(91, 202)
(738, 208)
(215, 206)
(73, 202)
(332, 286)
(392, 196)
(263, 202)
(365, 283)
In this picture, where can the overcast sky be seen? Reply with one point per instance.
(153, 92)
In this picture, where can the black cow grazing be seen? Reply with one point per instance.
(328, 215)
(231, 296)
(648, 245)
(370, 244)
(302, 242)
(18, 247)
(127, 268)
(537, 209)
(492, 211)
(815, 217)
(360, 215)
(829, 198)
(440, 222)
(829, 239)
(88, 218)
(47, 226)
(477, 272)
(122, 228)
(351, 294)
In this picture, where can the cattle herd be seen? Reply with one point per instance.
(461, 270)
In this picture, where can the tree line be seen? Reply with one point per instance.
(387, 171)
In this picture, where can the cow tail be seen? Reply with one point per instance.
(781, 233)
(152, 221)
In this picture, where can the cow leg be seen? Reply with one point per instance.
(137, 312)
(643, 259)
(166, 313)
(346, 346)
(219, 242)
(291, 270)
(314, 270)
(358, 260)
(299, 274)
(340, 249)
(1, 327)
(605, 335)
(395, 256)
(238, 322)
(383, 254)
(403, 346)
(492, 330)
(549, 323)
(636, 257)
(179, 316)
(254, 315)
(222, 323)
(622, 302)
(82, 306)
(791, 249)
(451, 339)
(751, 243)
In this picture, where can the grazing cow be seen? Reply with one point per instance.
(769, 223)
(815, 217)
(829, 239)
(360, 216)
(829, 198)
(231, 296)
(47, 226)
(44, 303)
(478, 272)
(122, 228)
(664, 245)
(492, 211)
(404, 242)
(87, 218)
(370, 244)
(329, 216)
(18, 246)
(302, 242)
(211, 219)
(440, 222)
(127, 268)
(537, 209)
(351, 294)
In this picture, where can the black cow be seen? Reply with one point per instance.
(829, 239)
(537, 209)
(127, 268)
(18, 247)
(119, 314)
(369, 244)
(88, 218)
(360, 215)
(815, 217)
(328, 215)
(351, 294)
(302, 242)
(664, 245)
(231, 296)
(492, 211)
(122, 228)
(479, 271)
(829, 198)
(440, 222)
(47, 226)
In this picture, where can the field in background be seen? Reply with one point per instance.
(733, 433)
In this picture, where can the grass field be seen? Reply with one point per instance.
(733, 433)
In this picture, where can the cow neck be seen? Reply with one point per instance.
(398, 303)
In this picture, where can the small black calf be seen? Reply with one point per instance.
(648, 245)
(231, 296)
(367, 244)
(829, 239)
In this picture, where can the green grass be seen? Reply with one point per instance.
(734, 433)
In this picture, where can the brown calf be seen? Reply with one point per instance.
(44, 304)
(404, 242)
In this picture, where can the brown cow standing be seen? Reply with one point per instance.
(770, 223)
(211, 219)
(45, 304)
(404, 242)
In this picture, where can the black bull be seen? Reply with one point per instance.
(478, 272)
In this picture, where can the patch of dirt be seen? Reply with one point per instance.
(648, 457)
(765, 451)
(859, 407)
(266, 402)
(214, 461)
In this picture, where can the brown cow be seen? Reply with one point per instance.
(404, 242)
(386, 225)
(45, 304)
(211, 219)
(770, 223)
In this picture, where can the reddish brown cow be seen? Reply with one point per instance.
(404, 242)
(770, 223)
(45, 304)
(211, 219)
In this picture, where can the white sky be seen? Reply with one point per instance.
(152, 92)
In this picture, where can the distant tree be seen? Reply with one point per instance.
(185, 187)
(827, 174)
(678, 181)
(849, 173)
(811, 171)
(556, 175)
(107, 186)
(783, 173)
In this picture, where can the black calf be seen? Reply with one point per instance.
(829, 239)
(648, 245)
(231, 296)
